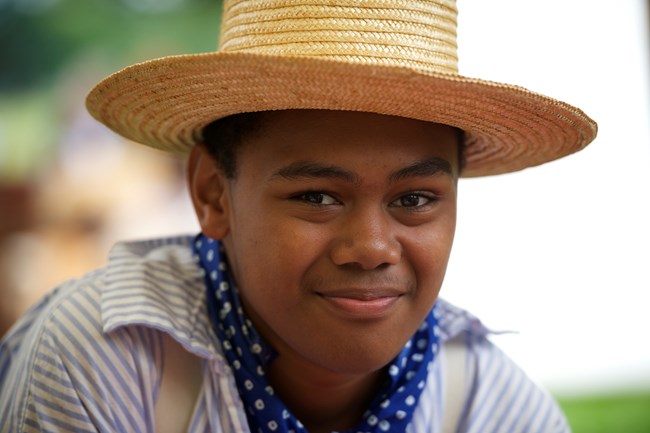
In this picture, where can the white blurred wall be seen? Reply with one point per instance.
(560, 253)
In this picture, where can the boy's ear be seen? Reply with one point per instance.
(209, 192)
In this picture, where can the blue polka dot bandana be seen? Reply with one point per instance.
(249, 356)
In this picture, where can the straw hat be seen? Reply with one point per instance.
(394, 57)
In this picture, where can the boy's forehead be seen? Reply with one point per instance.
(309, 141)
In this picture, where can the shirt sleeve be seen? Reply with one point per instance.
(503, 399)
(64, 374)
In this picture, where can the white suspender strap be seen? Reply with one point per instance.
(454, 353)
(179, 388)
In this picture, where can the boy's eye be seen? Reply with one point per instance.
(412, 200)
(318, 198)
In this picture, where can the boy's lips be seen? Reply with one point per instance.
(362, 304)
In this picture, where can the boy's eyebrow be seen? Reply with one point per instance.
(423, 168)
(305, 169)
(315, 170)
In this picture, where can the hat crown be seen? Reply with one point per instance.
(417, 34)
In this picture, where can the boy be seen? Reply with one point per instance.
(325, 141)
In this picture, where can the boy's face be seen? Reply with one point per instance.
(338, 229)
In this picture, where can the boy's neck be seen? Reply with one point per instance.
(322, 400)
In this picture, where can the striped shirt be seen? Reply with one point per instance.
(88, 357)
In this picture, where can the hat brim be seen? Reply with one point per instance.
(165, 103)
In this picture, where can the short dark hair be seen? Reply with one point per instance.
(224, 136)
(460, 142)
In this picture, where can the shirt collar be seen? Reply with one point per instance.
(455, 321)
(158, 284)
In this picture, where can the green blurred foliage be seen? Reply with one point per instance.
(616, 413)
(53, 51)
(36, 44)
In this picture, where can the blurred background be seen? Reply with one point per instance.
(558, 254)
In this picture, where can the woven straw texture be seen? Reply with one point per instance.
(394, 57)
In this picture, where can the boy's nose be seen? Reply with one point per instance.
(367, 240)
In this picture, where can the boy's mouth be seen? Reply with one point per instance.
(362, 304)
